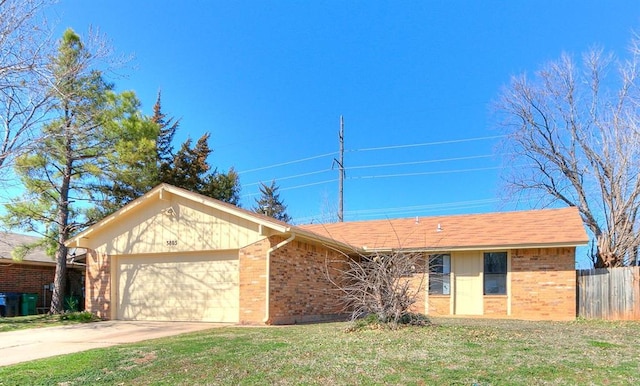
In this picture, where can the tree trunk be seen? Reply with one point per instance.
(62, 220)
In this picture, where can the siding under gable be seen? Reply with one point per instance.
(174, 224)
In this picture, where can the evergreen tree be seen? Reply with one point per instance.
(223, 186)
(189, 165)
(270, 204)
(167, 129)
(190, 170)
(131, 169)
(59, 173)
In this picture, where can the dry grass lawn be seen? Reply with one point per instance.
(451, 352)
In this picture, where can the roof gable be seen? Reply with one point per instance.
(168, 200)
(533, 228)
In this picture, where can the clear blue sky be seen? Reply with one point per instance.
(269, 80)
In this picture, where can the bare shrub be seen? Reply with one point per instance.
(385, 285)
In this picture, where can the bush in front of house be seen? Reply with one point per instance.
(79, 316)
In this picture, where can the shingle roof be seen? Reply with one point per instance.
(9, 241)
(533, 228)
(37, 256)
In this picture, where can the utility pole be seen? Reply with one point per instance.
(341, 171)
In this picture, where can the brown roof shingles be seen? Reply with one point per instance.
(546, 227)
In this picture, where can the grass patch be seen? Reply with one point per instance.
(597, 343)
(37, 321)
(451, 351)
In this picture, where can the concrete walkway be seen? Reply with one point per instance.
(26, 345)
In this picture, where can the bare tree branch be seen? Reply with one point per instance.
(577, 126)
(25, 46)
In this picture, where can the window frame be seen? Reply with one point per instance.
(442, 273)
(495, 274)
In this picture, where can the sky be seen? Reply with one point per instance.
(414, 80)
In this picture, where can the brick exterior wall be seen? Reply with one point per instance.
(543, 283)
(495, 305)
(26, 278)
(31, 279)
(253, 273)
(543, 287)
(439, 305)
(419, 284)
(98, 285)
(299, 288)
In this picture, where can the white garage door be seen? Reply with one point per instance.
(180, 287)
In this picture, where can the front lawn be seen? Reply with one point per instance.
(46, 320)
(454, 351)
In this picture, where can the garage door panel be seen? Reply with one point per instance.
(195, 288)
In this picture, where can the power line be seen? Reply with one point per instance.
(429, 143)
(426, 173)
(419, 162)
(289, 162)
(370, 149)
(290, 177)
(294, 187)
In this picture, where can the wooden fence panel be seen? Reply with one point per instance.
(609, 293)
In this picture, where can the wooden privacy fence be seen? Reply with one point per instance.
(609, 293)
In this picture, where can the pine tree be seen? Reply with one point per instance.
(223, 186)
(189, 165)
(60, 172)
(131, 169)
(270, 204)
(167, 130)
(190, 170)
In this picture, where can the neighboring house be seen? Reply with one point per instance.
(35, 272)
(176, 255)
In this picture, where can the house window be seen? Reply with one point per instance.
(439, 274)
(495, 273)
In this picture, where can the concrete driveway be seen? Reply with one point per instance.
(25, 345)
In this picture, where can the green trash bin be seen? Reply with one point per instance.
(29, 302)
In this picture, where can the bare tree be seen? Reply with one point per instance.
(573, 131)
(386, 285)
(25, 47)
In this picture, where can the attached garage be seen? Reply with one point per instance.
(173, 255)
(181, 287)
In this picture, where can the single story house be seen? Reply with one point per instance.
(35, 272)
(176, 255)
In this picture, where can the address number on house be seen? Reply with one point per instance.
(171, 243)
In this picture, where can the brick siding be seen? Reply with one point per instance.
(543, 287)
(98, 285)
(418, 283)
(300, 290)
(439, 305)
(495, 305)
(543, 283)
(253, 273)
(31, 279)
(25, 278)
